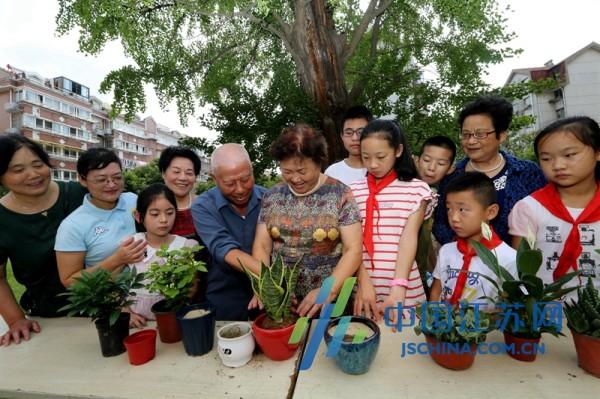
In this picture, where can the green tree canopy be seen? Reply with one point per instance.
(264, 64)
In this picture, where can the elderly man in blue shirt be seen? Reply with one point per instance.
(225, 218)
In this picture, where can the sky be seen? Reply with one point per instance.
(546, 29)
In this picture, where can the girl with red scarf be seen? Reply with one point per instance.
(564, 216)
(393, 204)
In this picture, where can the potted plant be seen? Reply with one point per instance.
(173, 276)
(525, 301)
(454, 344)
(359, 345)
(275, 288)
(235, 343)
(100, 296)
(583, 318)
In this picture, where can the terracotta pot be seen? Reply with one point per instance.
(354, 358)
(523, 349)
(274, 343)
(166, 321)
(141, 346)
(588, 352)
(450, 355)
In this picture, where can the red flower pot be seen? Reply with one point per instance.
(141, 346)
(523, 349)
(166, 321)
(588, 352)
(444, 354)
(274, 343)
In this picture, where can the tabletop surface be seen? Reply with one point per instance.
(554, 374)
(65, 361)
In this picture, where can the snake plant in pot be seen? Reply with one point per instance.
(525, 302)
(173, 276)
(101, 297)
(454, 343)
(275, 289)
(583, 318)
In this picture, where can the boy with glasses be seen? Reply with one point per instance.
(351, 168)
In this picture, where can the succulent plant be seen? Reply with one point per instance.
(583, 316)
(465, 326)
(275, 289)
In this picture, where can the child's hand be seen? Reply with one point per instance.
(397, 295)
(136, 320)
(366, 301)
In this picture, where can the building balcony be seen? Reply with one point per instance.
(14, 130)
(13, 107)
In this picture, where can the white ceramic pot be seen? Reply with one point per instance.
(236, 344)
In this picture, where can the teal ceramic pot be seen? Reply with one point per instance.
(355, 358)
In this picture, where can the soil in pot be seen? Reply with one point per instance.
(588, 352)
(355, 358)
(166, 322)
(273, 342)
(451, 356)
(521, 348)
(111, 337)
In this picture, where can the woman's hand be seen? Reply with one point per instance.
(308, 307)
(18, 329)
(365, 301)
(397, 295)
(255, 303)
(130, 251)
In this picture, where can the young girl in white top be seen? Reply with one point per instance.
(393, 204)
(564, 216)
(155, 213)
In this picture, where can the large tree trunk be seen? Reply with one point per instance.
(317, 50)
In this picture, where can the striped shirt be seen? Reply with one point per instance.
(397, 202)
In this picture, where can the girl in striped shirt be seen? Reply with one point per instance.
(393, 205)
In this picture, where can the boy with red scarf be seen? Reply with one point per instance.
(471, 203)
(564, 216)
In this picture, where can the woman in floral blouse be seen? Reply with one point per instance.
(309, 216)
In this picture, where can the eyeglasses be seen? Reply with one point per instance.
(478, 134)
(103, 181)
(351, 132)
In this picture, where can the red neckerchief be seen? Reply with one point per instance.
(468, 253)
(372, 205)
(550, 199)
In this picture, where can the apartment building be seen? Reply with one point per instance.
(579, 93)
(66, 119)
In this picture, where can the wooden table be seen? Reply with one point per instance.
(65, 361)
(554, 374)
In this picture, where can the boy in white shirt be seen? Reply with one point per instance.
(351, 169)
(470, 201)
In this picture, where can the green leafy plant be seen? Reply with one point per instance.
(275, 289)
(583, 316)
(523, 293)
(465, 326)
(173, 276)
(101, 296)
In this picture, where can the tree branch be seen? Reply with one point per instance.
(359, 86)
(372, 12)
